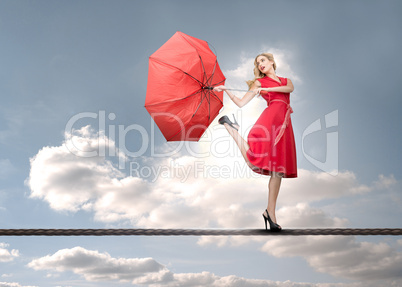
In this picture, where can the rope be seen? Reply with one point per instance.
(198, 232)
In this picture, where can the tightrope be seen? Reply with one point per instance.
(199, 232)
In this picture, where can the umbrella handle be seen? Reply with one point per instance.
(211, 88)
(239, 90)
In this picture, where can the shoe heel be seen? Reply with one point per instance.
(265, 220)
(235, 122)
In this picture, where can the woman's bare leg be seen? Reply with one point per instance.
(241, 143)
(275, 180)
(273, 187)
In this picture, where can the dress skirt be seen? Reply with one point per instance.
(271, 139)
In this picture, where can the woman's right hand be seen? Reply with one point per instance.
(220, 88)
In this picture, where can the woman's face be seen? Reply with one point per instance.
(264, 65)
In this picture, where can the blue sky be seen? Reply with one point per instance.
(85, 63)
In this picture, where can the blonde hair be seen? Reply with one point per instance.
(257, 73)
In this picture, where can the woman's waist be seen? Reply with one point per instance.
(278, 101)
(277, 96)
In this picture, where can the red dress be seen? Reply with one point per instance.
(271, 139)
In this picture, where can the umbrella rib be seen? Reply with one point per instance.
(203, 95)
(185, 126)
(213, 74)
(202, 63)
(203, 69)
(209, 106)
(209, 81)
(220, 82)
(216, 97)
(199, 105)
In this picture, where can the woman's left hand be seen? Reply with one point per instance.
(220, 88)
(259, 90)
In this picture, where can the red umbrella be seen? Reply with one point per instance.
(181, 76)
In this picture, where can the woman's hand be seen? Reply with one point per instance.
(259, 90)
(220, 88)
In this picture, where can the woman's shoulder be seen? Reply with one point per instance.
(261, 80)
(257, 83)
(283, 80)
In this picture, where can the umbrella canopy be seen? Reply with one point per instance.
(181, 76)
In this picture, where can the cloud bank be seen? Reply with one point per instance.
(97, 266)
(70, 182)
(342, 256)
(13, 284)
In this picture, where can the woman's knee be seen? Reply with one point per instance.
(279, 175)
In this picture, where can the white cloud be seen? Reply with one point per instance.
(69, 181)
(13, 284)
(96, 266)
(304, 216)
(341, 256)
(210, 279)
(313, 186)
(7, 255)
(385, 182)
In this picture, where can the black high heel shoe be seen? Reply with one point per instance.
(226, 120)
(272, 225)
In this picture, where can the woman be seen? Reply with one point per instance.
(270, 147)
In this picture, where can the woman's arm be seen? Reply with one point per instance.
(282, 89)
(246, 98)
